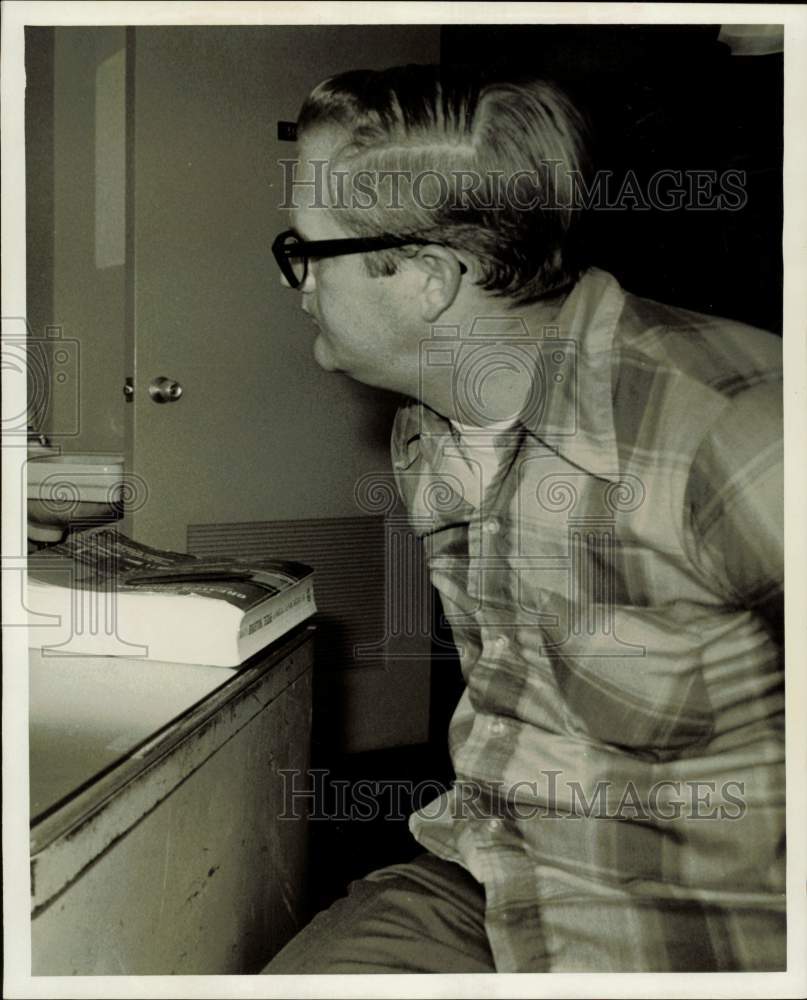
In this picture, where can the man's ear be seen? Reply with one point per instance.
(441, 272)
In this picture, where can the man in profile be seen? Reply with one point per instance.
(597, 480)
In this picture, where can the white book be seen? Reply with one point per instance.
(100, 593)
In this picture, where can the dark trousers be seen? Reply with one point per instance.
(425, 916)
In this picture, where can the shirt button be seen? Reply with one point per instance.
(491, 526)
(497, 727)
(501, 642)
(495, 824)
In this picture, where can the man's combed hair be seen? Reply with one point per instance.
(476, 162)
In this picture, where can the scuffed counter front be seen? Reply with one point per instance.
(161, 849)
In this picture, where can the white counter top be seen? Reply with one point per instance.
(86, 713)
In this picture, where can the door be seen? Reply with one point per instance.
(261, 443)
(259, 433)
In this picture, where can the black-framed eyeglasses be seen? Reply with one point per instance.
(293, 253)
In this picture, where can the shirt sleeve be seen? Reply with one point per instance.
(735, 496)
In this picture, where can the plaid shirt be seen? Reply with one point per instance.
(611, 566)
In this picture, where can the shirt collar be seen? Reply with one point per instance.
(575, 416)
(571, 410)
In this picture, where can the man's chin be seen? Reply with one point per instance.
(324, 358)
(322, 355)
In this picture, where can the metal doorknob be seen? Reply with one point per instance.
(164, 390)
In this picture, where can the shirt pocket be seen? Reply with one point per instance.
(640, 687)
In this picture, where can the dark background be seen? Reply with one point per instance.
(668, 97)
(659, 97)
